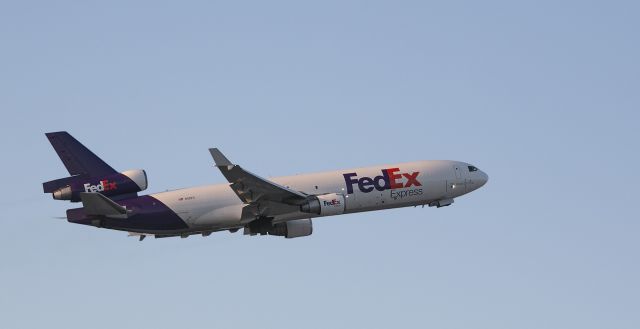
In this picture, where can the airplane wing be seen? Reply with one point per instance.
(252, 188)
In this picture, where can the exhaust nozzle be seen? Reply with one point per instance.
(62, 193)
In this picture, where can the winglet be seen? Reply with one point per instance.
(219, 158)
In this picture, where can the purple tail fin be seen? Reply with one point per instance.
(78, 159)
(89, 173)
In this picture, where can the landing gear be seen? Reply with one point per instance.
(262, 226)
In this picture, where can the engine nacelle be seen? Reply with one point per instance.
(325, 204)
(298, 228)
(130, 181)
(291, 229)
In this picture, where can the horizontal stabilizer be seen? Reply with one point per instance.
(96, 204)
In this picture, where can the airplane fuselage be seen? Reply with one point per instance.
(217, 207)
(280, 206)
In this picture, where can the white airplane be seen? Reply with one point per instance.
(281, 206)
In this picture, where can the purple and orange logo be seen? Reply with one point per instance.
(390, 179)
(103, 186)
(334, 203)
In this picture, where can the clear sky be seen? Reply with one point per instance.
(541, 95)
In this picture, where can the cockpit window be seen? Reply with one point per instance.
(472, 168)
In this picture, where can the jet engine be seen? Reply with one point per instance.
(291, 229)
(118, 184)
(324, 204)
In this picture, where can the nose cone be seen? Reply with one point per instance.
(476, 178)
(483, 179)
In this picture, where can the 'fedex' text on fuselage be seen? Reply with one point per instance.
(390, 179)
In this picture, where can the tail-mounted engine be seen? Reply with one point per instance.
(324, 204)
(118, 184)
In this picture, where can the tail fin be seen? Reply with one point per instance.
(78, 159)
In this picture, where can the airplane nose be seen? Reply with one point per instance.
(484, 178)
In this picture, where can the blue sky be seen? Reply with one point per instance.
(541, 95)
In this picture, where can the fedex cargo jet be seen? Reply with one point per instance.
(281, 206)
